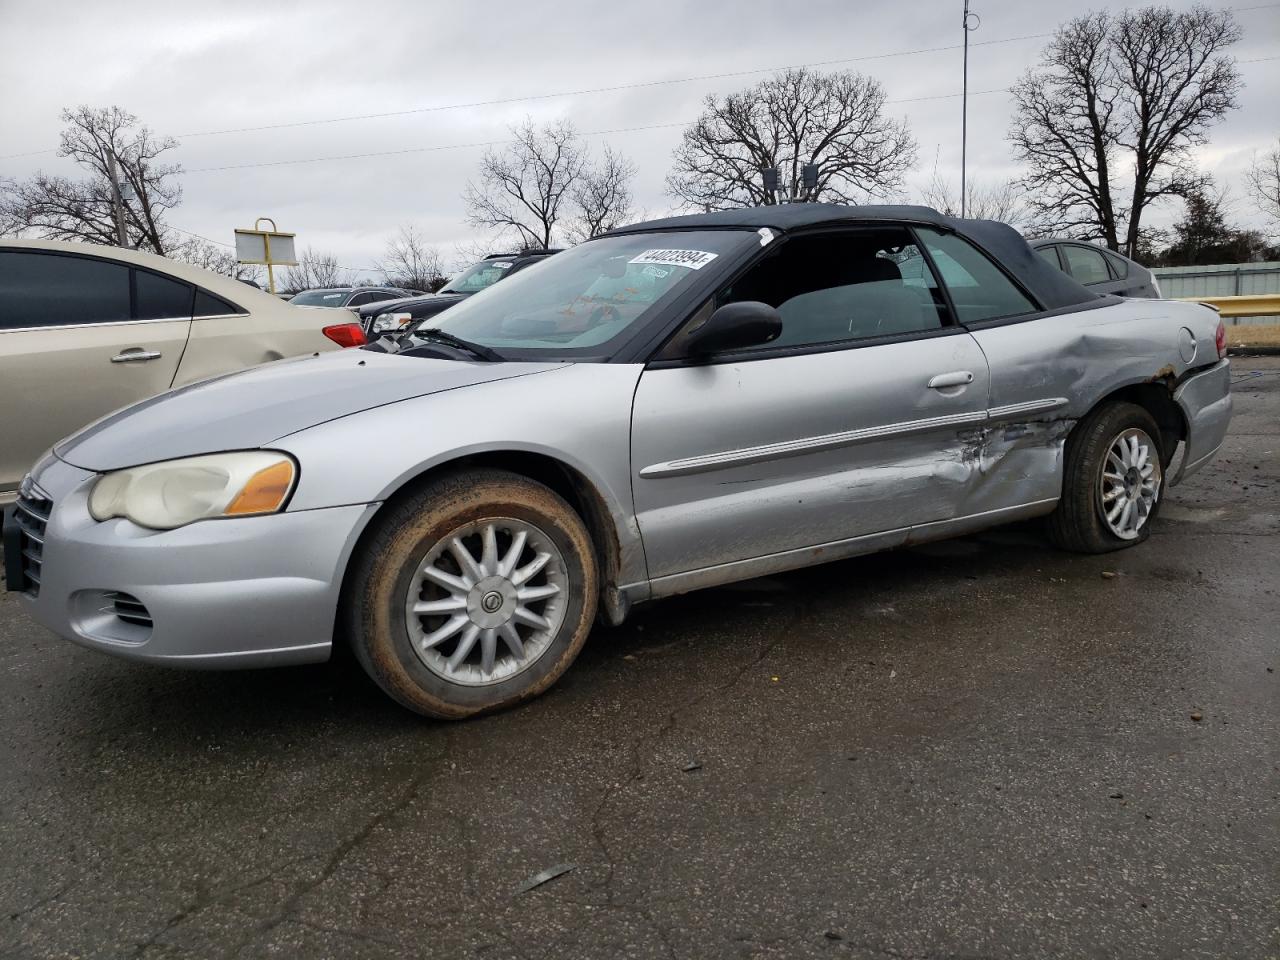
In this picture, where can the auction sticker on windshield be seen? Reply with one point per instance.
(693, 259)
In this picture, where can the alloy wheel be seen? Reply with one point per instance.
(487, 601)
(1129, 484)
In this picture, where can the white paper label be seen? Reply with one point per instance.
(693, 259)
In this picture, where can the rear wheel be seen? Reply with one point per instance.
(1113, 481)
(473, 594)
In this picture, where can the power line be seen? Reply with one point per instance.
(611, 89)
(498, 143)
(644, 83)
(529, 98)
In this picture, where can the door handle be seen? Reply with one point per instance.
(134, 354)
(957, 378)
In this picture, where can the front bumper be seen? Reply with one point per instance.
(247, 592)
(1205, 401)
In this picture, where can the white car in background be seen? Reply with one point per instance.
(87, 329)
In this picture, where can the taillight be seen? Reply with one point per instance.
(1220, 340)
(346, 334)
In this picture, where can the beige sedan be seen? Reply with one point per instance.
(86, 329)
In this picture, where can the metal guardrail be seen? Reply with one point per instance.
(1260, 305)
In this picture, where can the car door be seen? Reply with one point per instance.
(837, 437)
(80, 336)
(1035, 366)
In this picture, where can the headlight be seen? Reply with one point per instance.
(386, 322)
(177, 492)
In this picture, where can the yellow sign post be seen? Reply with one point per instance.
(269, 247)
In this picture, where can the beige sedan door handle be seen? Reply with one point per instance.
(134, 354)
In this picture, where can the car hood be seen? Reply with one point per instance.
(428, 301)
(253, 407)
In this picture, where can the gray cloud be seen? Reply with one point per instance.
(186, 68)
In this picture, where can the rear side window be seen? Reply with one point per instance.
(207, 305)
(1086, 265)
(1049, 254)
(161, 298)
(1119, 265)
(978, 288)
(51, 289)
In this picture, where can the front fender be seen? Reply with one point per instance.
(579, 415)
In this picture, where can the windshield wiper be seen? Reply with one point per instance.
(449, 340)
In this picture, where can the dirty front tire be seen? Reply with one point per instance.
(472, 593)
(1079, 522)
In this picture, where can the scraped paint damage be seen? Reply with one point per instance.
(1017, 462)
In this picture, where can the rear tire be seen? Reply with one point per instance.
(472, 594)
(1113, 481)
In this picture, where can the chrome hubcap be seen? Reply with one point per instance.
(487, 601)
(1130, 483)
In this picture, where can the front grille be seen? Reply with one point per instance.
(130, 609)
(32, 517)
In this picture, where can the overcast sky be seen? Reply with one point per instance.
(185, 68)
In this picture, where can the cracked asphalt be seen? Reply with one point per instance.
(978, 749)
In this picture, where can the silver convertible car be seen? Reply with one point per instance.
(674, 405)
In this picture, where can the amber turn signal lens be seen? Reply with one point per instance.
(265, 491)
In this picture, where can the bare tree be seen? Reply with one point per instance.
(1264, 183)
(1106, 124)
(9, 224)
(411, 262)
(316, 269)
(62, 208)
(834, 120)
(206, 255)
(465, 254)
(1002, 200)
(602, 197)
(527, 186)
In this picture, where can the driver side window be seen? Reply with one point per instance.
(842, 286)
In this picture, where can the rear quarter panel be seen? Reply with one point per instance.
(1079, 358)
(272, 330)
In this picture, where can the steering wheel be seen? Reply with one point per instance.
(605, 313)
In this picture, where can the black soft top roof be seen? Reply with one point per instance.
(1049, 285)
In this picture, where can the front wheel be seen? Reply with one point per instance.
(474, 593)
(1113, 481)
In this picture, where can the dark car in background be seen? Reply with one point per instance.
(383, 318)
(349, 297)
(1104, 271)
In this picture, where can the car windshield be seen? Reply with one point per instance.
(590, 298)
(478, 276)
(320, 298)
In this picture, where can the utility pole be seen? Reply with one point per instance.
(117, 199)
(964, 103)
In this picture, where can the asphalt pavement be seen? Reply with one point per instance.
(982, 748)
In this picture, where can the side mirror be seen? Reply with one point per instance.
(735, 326)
